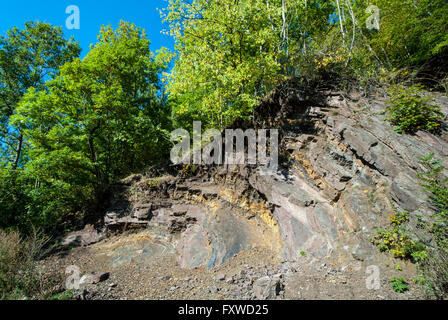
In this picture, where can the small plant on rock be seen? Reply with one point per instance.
(399, 285)
(435, 267)
(409, 110)
(397, 219)
(397, 240)
(437, 185)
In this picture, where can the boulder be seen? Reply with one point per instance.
(89, 235)
(267, 288)
(142, 211)
(93, 278)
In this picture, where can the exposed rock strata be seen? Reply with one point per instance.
(344, 171)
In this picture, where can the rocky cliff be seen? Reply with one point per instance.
(343, 171)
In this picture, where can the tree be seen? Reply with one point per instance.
(100, 119)
(410, 31)
(232, 53)
(28, 58)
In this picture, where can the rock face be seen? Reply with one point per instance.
(344, 170)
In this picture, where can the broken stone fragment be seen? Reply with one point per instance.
(220, 277)
(89, 235)
(142, 211)
(94, 278)
(266, 288)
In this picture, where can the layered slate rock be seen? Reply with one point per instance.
(343, 170)
(208, 237)
(304, 216)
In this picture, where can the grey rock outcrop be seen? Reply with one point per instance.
(344, 171)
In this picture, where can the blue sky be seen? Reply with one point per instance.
(93, 14)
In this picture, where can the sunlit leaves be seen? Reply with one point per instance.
(101, 118)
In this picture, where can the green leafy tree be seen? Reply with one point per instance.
(232, 53)
(28, 58)
(410, 32)
(101, 118)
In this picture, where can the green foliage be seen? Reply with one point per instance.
(98, 120)
(231, 54)
(399, 285)
(397, 240)
(13, 197)
(66, 295)
(410, 111)
(399, 218)
(303, 253)
(434, 182)
(434, 274)
(410, 31)
(28, 58)
(103, 112)
(434, 268)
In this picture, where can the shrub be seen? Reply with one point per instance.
(397, 240)
(399, 285)
(399, 218)
(434, 271)
(19, 276)
(65, 295)
(410, 111)
(435, 268)
(437, 186)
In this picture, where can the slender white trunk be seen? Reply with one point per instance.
(305, 26)
(352, 14)
(340, 22)
(269, 15)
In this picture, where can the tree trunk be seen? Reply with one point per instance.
(94, 159)
(340, 22)
(18, 153)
